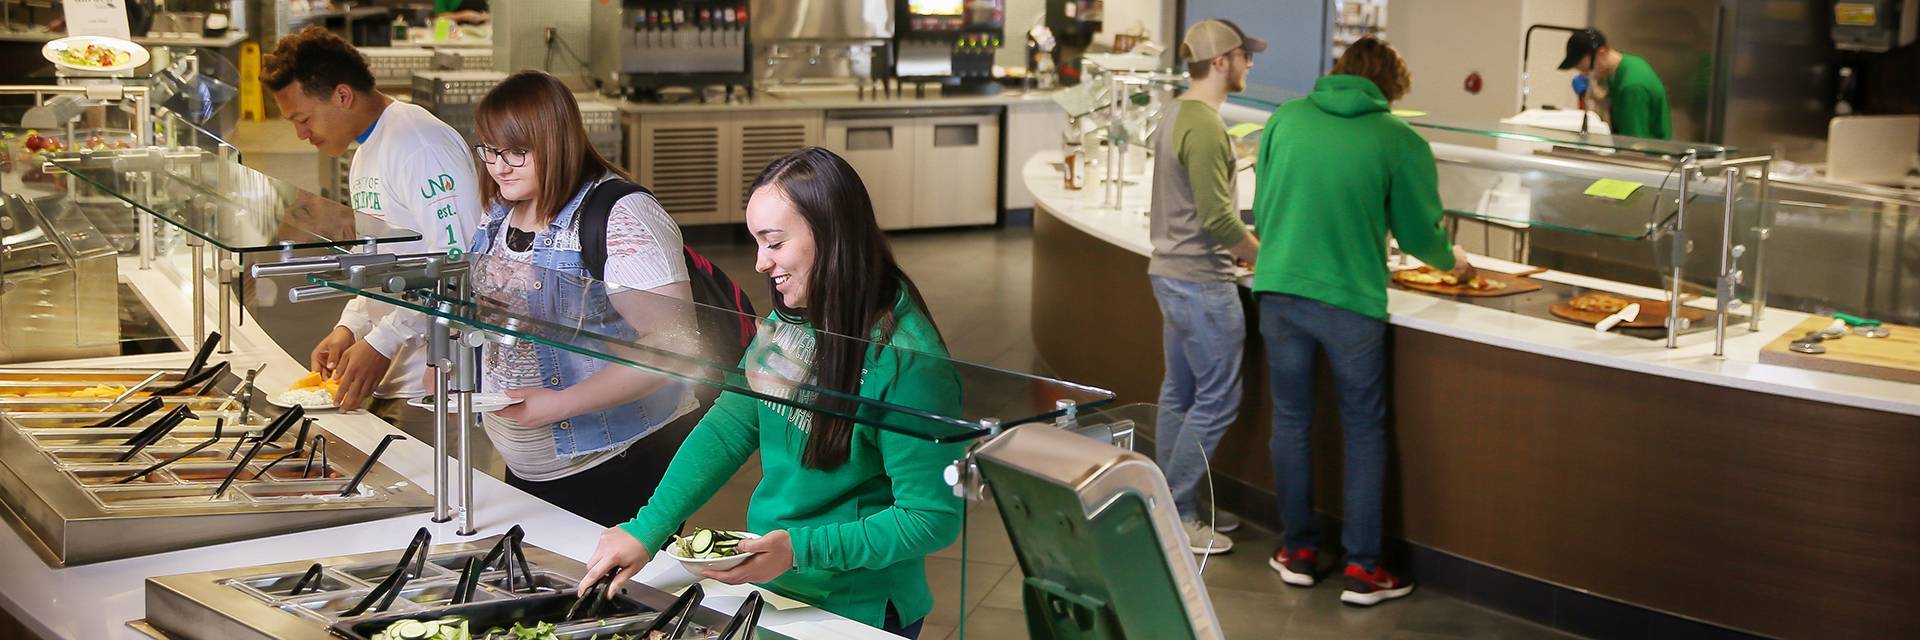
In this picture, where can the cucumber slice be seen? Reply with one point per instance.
(702, 541)
(409, 630)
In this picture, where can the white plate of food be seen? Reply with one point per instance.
(482, 402)
(312, 392)
(715, 549)
(95, 54)
(309, 399)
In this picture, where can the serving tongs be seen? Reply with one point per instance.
(205, 351)
(590, 603)
(745, 620)
(271, 433)
(300, 446)
(132, 390)
(674, 621)
(509, 551)
(371, 458)
(218, 424)
(130, 415)
(206, 376)
(246, 387)
(469, 580)
(154, 432)
(310, 579)
(412, 563)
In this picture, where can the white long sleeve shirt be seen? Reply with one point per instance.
(412, 171)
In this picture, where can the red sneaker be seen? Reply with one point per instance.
(1365, 589)
(1297, 567)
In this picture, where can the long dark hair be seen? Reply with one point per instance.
(851, 290)
(535, 111)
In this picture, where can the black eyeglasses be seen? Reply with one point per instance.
(515, 157)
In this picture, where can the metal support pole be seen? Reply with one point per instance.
(1761, 231)
(466, 374)
(146, 237)
(196, 275)
(227, 280)
(1688, 170)
(1729, 270)
(438, 358)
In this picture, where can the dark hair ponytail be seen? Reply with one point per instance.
(851, 291)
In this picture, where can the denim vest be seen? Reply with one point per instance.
(565, 293)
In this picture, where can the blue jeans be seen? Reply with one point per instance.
(1204, 330)
(1295, 329)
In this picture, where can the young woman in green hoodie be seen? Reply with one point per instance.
(1336, 173)
(848, 512)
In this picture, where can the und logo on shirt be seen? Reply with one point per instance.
(437, 185)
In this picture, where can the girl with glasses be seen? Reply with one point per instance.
(581, 424)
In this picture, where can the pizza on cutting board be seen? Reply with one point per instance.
(1599, 303)
(1430, 276)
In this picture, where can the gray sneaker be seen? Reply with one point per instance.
(1203, 540)
(1224, 522)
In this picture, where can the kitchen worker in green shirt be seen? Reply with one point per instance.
(463, 11)
(848, 512)
(1636, 99)
(1336, 174)
(1194, 224)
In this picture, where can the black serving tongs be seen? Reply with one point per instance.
(412, 563)
(589, 604)
(678, 616)
(469, 580)
(204, 379)
(371, 458)
(310, 580)
(300, 446)
(154, 432)
(271, 433)
(509, 552)
(130, 415)
(745, 620)
(205, 351)
(218, 424)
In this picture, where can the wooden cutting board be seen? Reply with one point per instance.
(1895, 357)
(1653, 314)
(1515, 284)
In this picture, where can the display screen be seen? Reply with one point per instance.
(935, 7)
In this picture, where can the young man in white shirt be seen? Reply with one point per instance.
(411, 170)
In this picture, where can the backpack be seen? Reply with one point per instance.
(711, 286)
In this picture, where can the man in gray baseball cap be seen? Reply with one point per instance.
(1194, 224)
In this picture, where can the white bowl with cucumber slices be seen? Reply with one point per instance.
(715, 549)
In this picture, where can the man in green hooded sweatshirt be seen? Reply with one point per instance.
(1336, 173)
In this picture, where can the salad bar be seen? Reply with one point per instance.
(112, 463)
(495, 587)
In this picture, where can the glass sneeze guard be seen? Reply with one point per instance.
(229, 205)
(1649, 147)
(932, 396)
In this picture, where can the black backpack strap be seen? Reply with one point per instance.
(592, 222)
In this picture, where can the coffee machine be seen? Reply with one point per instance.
(643, 46)
(950, 42)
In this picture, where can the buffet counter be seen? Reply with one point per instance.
(98, 600)
(1568, 463)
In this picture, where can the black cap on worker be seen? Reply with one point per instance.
(1580, 45)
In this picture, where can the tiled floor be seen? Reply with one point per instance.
(978, 286)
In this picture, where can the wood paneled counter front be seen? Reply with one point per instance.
(1772, 500)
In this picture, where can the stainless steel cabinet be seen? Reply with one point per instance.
(699, 164)
(923, 167)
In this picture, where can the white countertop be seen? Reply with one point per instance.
(1693, 360)
(96, 600)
